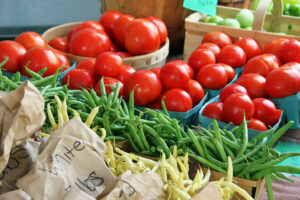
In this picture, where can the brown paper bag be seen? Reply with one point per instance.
(21, 160)
(15, 195)
(71, 162)
(21, 114)
(209, 192)
(144, 186)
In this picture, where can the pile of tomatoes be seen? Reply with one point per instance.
(269, 72)
(30, 49)
(115, 32)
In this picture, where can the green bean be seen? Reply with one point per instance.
(274, 153)
(131, 105)
(132, 144)
(89, 98)
(109, 100)
(124, 106)
(275, 162)
(162, 118)
(252, 152)
(116, 91)
(196, 143)
(217, 133)
(117, 127)
(229, 152)
(175, 124)
(274, 169)
(9, 82)
(136, 137)
(279, 133)
(274, 177)
(45, 81)
(163, 105)
(159, 139)
(229, 135)
(3, 62)
(115, 138)
(149, 153)
(143, 138)
(245, 138)
(284, 177)
(34, 75)
(106, 123)
(18, 76)
(94, 96)
(45, 89)
(269, 187)
(122, 113)
(207, 163)
(42, 71)
(263, 135)
(103, 91)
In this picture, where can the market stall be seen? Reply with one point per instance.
(155, 100)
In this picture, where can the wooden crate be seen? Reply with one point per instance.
(273, 23)
(170, 11)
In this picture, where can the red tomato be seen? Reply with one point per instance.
(156, 70)
(230, 89)
(161, 27)
(62, 58)
(195, 90)
(201, 57)
(274, 46)
(88, 64)
(39, 57)
(92, 24)
(119, 28)
(213, 76)
(77, 78)
(229, 70)
(141, 37)
(89, 43)
(290, 51)
(214, 110)
(254, 83)
(261, 64)
(30, 40)
(147, 86)
(114, 47)
(266, 111)
(109, 82)
(156, 104)
(282, 82)
(15, 52)
(59, 43)
(232, 55)
(70, 34)
(187, 67)
(218, 38)
(250, 46)
(257, 125)
(108, 19)
(178, 100)
(125, 72)
(174, 75)
(210, 46)
(123, 54)
(294, 65)
(108, 64)
(235, 106)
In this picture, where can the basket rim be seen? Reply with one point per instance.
(159, 51)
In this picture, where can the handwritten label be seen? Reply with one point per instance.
(284, 147)
(208, 7)
(127, 192)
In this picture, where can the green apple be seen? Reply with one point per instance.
(206, 19)
(248, 28)
(245, 18)
(215, 19)
(231, 23)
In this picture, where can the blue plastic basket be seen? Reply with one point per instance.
(206, 122)
(186, 118)
(291, 107)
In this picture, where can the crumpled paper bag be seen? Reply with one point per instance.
(143, 186)
(15, 195)
(21, 115)
(21, 160)
(208, 192)
(72, 161)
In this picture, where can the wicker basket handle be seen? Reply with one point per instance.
(261, 12)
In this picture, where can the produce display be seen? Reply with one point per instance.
(105, 130)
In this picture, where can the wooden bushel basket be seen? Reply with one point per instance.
(170, 11)
(273, 23)
(147, 61)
